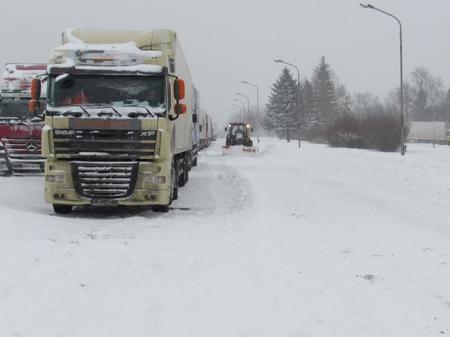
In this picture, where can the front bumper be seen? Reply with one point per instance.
(62, 187)
(27, 166)
(10, 165)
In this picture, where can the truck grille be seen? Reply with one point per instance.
(104, 180)
(123, 143)
(23, 148)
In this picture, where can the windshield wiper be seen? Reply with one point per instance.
(72, 113)
(52, 113)
(148, 110)
(84, 110)
(135, 114)
(117, 112)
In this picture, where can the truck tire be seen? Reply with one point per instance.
(174, 185)
(161, 208)
(62, 209)
(184, 176)
(194, 162)
(173, 192)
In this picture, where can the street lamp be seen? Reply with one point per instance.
(242, 102)
(402, 118)
(238, 107)
(248, 102)
(298, 97)
(257, 102)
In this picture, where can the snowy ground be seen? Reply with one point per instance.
(286, 243)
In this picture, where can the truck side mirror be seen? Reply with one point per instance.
(194, 119)
(35, 89)
(180, 109)
(251, 129)
(179, 89)
(226, 129)
(33, 106)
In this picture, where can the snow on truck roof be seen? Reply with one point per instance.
(17, 78)
(127, 51)
(158, 39)
(112, 57)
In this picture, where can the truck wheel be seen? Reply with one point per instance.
(184, 176)
(175, 193)
(161, 208)
(174, 183)
(62, 209)
(181, 181)
(194, 162)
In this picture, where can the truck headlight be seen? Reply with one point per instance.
(154, 180)
(55, 178)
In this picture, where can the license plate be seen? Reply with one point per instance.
(97, 202)
(29, 166)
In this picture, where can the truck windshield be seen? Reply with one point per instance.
(17, 110)
(238, 131)
(112, 90)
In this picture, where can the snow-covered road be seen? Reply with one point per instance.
(288, 242)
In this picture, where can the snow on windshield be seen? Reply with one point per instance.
(116, 91)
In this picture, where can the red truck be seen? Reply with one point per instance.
(20, 132)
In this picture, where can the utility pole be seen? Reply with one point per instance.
(402, 117)
(257, 105)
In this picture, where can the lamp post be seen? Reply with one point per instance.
(243, 105)
(257, 103)
(298, 97)
(402, 117)
(238, 107)
(248, 103)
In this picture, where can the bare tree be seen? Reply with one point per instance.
(428, 92)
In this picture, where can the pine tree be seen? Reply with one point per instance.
(281, 114)
(325, 100)
(308, 118)
(343, 100)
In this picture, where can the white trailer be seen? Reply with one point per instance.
(427, 132)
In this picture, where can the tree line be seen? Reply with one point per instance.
(329, 113)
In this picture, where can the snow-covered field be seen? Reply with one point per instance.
(286, 243)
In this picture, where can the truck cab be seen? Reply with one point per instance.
(20, 132)
(118, 120)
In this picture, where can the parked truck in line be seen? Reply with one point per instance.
(20, 133)
(196, 125)
(118, 120)
(206, 129)
(428, 132)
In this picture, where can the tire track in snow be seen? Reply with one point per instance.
(215, 188)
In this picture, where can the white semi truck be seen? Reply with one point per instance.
(118, 121)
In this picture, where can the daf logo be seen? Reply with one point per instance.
(31, 146)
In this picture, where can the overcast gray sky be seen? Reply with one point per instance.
(229, 41)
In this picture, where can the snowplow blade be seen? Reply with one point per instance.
(239, 150)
